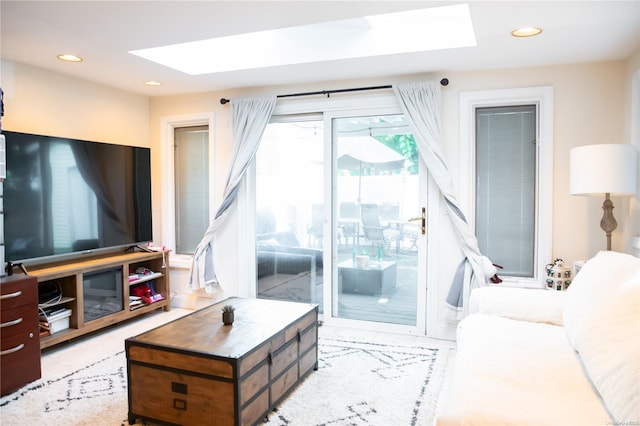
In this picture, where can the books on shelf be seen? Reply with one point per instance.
(135, 302)
(144, 294)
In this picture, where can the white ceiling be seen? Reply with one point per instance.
(103, 32)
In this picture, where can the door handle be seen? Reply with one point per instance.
(423, 220)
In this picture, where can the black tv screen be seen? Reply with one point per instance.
(65, 197)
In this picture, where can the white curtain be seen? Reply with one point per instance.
(421, 105)
(249, 119)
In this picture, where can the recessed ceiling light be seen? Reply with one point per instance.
(69, 58)
(435, 28)
(152, 83)
(526, 32)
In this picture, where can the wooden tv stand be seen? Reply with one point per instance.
(69, 277)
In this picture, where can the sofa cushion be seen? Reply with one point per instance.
(597, 281)
(610, 351)
(510, 372)
(519, 303)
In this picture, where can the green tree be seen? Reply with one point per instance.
(404, 144)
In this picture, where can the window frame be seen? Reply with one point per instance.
(167, 142)
(542, 97)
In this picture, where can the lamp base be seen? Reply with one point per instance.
(608, 222)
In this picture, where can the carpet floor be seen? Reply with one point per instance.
(363, 378)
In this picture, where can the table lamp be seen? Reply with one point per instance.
(609, 169)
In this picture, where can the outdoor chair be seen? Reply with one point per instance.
(373, 230)
(411, 233)
(389, 213)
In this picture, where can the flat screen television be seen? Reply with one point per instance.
(64, 198)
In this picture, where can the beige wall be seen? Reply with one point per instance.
(591, 105)
(41, 102)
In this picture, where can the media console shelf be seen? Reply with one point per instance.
(97, 290)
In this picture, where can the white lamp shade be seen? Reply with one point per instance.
(598, 169)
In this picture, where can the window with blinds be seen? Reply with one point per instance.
(191, 169)
(506, 186)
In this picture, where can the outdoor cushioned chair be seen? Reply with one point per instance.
(374, 231)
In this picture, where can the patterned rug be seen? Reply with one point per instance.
(95, 394)
(368, 383)
(359, 381)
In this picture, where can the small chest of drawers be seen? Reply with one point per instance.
(20, 338)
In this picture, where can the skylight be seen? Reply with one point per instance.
(445, 27)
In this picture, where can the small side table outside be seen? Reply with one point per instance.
(376, 278)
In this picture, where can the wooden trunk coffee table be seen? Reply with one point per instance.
(195, 370)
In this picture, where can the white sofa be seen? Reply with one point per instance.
(540, 357)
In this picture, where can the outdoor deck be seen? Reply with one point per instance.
(397, 306)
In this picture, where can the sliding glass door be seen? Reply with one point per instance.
(376, 180)
(290, 212)
(339, 203)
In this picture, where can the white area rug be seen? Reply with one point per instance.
(363, 379)
(369, 380)
(95, 394)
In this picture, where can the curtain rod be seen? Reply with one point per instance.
(444, 82)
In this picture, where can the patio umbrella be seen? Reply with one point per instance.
(362, 152)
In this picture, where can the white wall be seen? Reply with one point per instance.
(591, 104)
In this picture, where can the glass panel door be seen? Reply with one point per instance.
(376, 180)
(290, 212)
